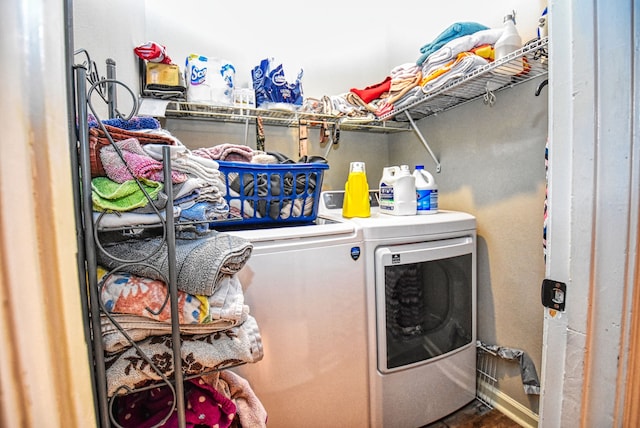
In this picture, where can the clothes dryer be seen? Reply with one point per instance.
(420, 278)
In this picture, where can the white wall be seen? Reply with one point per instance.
(339, 44)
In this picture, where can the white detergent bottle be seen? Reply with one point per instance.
(398, 191)
(510, 41)
(426, 191)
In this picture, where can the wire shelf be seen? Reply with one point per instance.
(520, 66)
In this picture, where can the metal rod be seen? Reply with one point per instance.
(90, 249)
(173, 290)
(423, 141)
(246, 131)
(112, 101)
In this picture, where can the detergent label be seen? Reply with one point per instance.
(198, 75)
(424, 199)
(386, 197)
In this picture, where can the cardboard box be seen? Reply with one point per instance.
(162, 74)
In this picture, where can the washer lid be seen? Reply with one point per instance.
(381, 226)
(327, 229)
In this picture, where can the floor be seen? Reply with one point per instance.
(475, 415)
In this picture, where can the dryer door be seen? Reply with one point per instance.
(425, 301)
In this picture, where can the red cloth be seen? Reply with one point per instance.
(373, 92)
(153, 52)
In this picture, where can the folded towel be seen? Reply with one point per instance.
(98, 139)
(140, 328)
(183, 160)
(126, 293)
(138, 163)
(464, 64)
(201, 264)
(200, 353)
(108, 195)
(455, 30)
(226, 151)
(205, 211)
(450, 50)
(136, 122)
(104, 220)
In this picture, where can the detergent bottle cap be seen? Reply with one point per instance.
(510, 17)
(357, 167)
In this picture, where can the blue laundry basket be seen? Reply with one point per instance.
(275, 194)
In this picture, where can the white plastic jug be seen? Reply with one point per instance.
(510, 41)
(426, 191)
(397, 191)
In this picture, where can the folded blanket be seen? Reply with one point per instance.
(455, 30)
(107, 195)
(125, 293)
(201, 264)
(226, 151)
(138, 163)
(200, 353)
(205, 407)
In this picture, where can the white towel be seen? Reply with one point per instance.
(450, 50)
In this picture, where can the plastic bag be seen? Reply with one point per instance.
(209, 80)
(271, 86)
(152, 52)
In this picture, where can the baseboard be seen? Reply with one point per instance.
(508, 406)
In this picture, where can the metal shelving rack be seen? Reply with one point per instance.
(90, 241)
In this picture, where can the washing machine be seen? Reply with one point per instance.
(305, 287)
(420, 279)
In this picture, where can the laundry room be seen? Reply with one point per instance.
(490, 155)
(304, 313)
